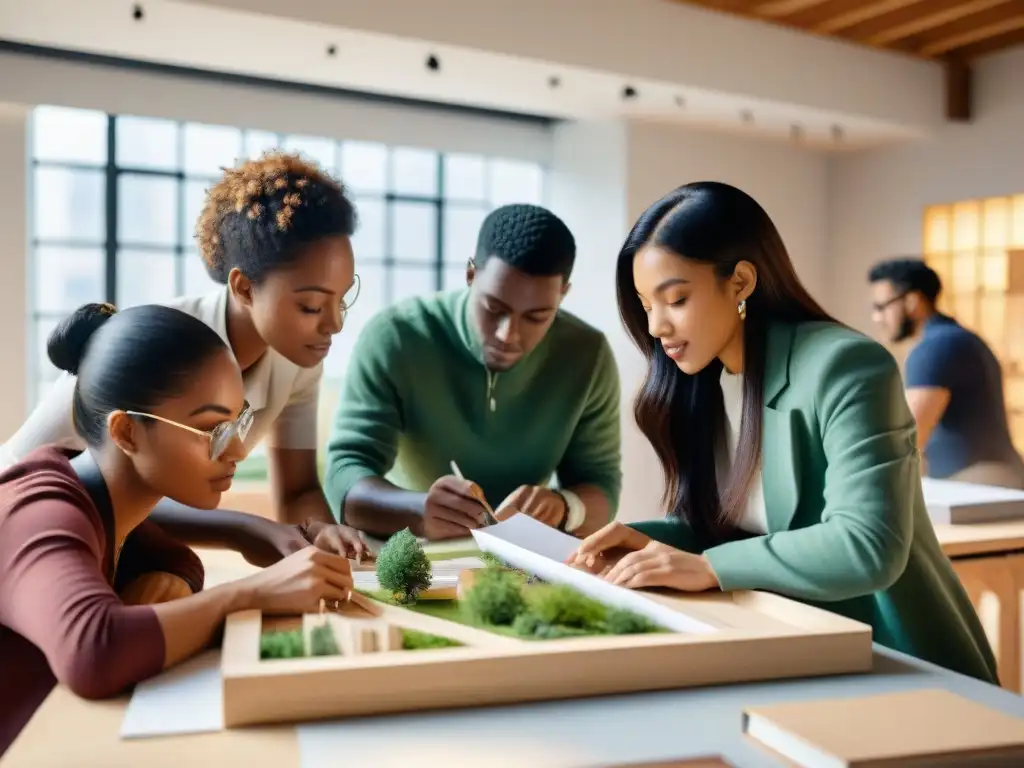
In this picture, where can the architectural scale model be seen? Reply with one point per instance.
(522, 626)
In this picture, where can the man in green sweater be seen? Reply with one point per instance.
(493, 381)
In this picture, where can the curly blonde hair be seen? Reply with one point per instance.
(261, 211)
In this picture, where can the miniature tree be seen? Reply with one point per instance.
(322, 642)
(496, 596)
(559, 604)
(402, 567)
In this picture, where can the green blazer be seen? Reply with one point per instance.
(848, 527)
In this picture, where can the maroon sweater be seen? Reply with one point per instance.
(60, 617)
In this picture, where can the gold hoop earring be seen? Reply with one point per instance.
(742, 309)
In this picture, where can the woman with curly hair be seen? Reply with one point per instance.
(275, 232)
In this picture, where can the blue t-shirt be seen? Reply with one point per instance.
(973, 427)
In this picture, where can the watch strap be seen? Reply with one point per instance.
(576, 511)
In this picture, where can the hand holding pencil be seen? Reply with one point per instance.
(453, 507)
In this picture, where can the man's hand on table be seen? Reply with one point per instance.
(542, 504)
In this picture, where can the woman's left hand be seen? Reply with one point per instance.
(659, 565)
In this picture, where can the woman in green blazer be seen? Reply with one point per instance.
(788, 448)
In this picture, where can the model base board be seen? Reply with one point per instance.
(372, 668)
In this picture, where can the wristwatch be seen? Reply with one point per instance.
(575, 511)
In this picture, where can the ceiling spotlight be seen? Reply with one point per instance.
(629, 92)
(433, 63)
(796, 131)
(747, 116)
(680, 102)
(554, 81)
(332, 50)
(138, 13)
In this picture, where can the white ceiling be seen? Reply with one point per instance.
(555, 75)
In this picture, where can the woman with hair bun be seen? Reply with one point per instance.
(93, 594)
(276, 234)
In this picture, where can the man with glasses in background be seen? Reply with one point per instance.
(954, 383)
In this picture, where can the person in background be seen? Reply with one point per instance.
(788, 449)
(494, 377)
(93, 594)
(954, 383)
(276, 233)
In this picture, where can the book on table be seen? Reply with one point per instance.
(927, 728)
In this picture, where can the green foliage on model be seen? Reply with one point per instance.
(322, 641)
(282, 645)
(496, 597)
(413, 640)
(403, 568)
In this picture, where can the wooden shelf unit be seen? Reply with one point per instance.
(977, 248)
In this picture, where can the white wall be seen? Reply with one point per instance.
(14, 303)
(877, 198)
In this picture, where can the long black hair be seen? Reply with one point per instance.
(130, 360)
(682, 415)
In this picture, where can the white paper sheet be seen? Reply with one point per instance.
(542, 550)
(186, 699)
(444, 573)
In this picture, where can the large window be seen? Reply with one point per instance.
(977, 248)
(115, 200)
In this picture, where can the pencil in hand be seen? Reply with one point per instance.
(478, 494)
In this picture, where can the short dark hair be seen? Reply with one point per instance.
(260, 213)
(528, 237)
(130, 360)
(908, 275)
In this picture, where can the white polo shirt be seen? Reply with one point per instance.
(284, 397)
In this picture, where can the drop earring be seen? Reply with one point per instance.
(742, 309)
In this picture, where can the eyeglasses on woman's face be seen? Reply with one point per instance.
(220, 437)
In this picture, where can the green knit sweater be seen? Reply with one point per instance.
(417, 396)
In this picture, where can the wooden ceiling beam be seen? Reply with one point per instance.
(991, 45)
(864, 12)
(777, 9)
(954, 41)
(932, 19)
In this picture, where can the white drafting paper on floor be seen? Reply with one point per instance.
(444, 573)
(542, 550)
(186, 699)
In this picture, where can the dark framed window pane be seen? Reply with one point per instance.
(515, 181)
(412, 281)
(413, 232)
(44, 326)
(370, 239)
(414, 172)
(67, 278)
(146, 277)
(372, 299)
(453, 276)
(145, 142)
(461, 229)
(197, 280)
(65, 135)
(69, 204)
(195, 199)
(323, 152)
(147, 210)
(364, 166)
(465, 177)
(210, 148)
(259, 142)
